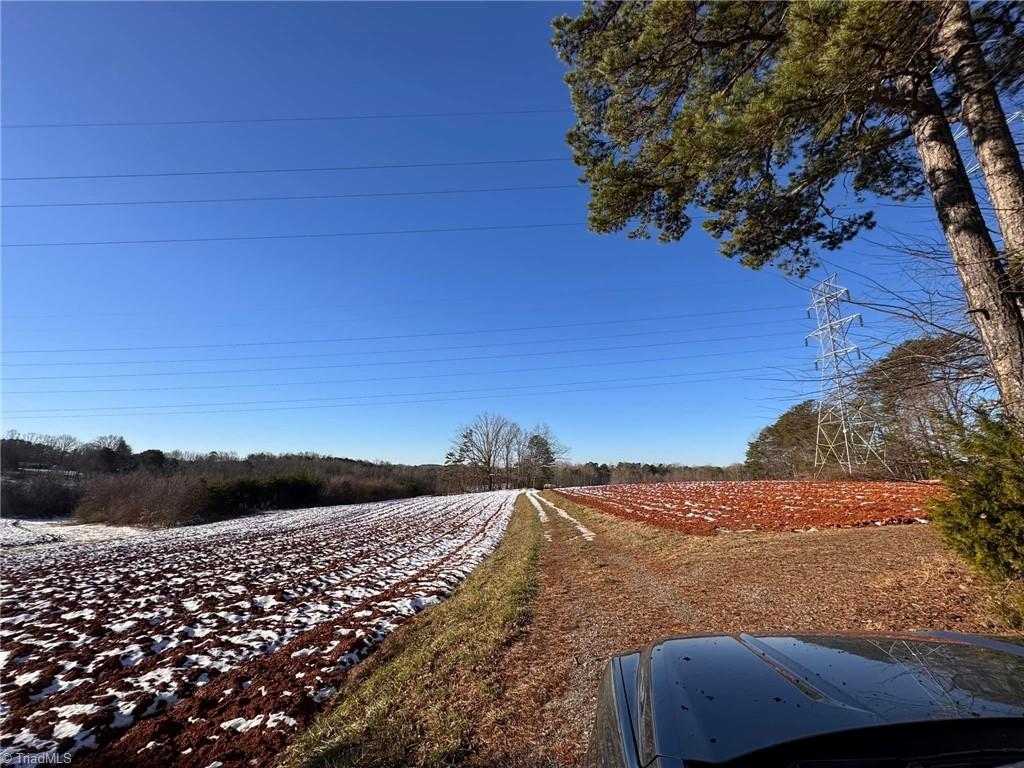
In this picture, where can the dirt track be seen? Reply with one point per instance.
(634, 583)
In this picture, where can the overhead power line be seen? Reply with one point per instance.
(392, 337)
(349, 405)
(317, 169)
(442, 375)
(423, 193)
(300, 236)
(439, 300)
(544, 353)
(517, 343)
(334, 398)
(305, 119)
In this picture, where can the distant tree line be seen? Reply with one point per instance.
(626, 472)
(111, 454)
(104, 480)
(107, 453)
(493, 452)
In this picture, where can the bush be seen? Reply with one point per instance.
(243, 495)
(143, 498)
(983, 516)
(43, 496)
(140, 498)
(343, 489)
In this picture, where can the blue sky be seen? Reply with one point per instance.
(418, 331)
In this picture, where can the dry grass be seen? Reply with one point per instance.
(140, 498)
(418, 700)
(878, 578)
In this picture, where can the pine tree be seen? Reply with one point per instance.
(755, 111)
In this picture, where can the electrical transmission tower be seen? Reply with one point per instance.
(846, 434)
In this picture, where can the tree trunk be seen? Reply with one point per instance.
(995, 312)
(982, 114)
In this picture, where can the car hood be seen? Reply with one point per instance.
(722, 697)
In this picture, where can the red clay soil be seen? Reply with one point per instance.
(218, 644)
(269, 685)
(705, 508)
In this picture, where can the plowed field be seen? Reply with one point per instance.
(212, 645)
(707, 508)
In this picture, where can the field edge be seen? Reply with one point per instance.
(390, 714)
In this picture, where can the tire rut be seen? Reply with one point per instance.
(595, 600)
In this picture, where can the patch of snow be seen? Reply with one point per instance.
(242, 725)
(280, 717)
(70, 710)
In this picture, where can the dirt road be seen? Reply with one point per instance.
(629, 583)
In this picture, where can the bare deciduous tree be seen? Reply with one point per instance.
(492, 451)
(481, 443)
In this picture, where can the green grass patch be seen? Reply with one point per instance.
(416, 700)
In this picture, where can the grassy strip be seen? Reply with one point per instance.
(415, 700)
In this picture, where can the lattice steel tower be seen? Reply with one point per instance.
(846, 434)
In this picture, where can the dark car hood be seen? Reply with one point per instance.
(718, 698)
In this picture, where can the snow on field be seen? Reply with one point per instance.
(20, 533)
(30, 532)
(709, 507)
(195, 638)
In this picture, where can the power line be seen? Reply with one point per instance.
(296, 197)
(310, 119)
(368, 397)
(392, 337)
(490, 299)
(300, 236)
(417, 193)
(413, 377)
(390, 351)
(149, 374)
(235, 172)
(349, 405)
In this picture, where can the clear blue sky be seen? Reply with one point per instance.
(718, 330)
